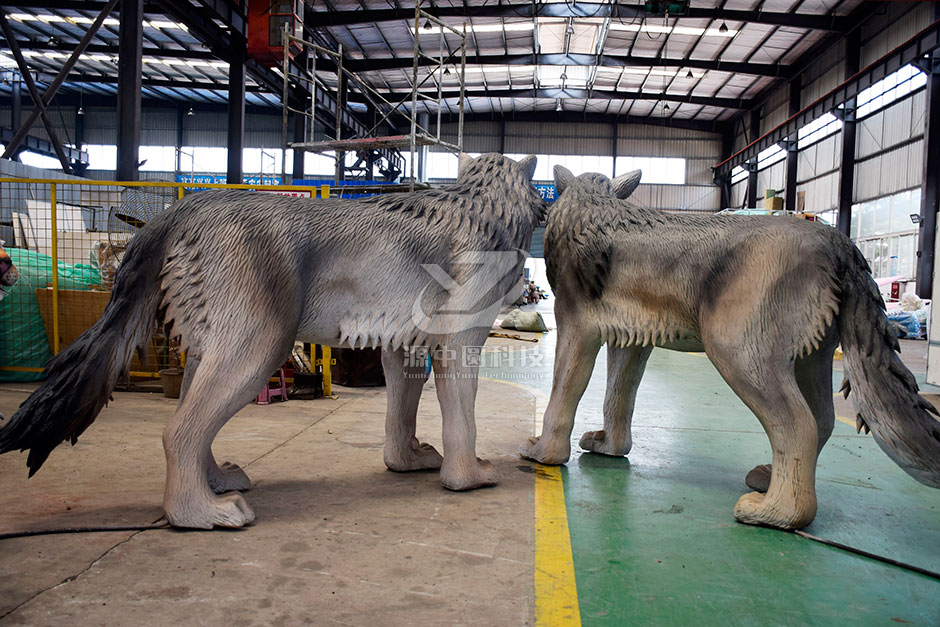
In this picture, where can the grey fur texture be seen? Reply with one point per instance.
(238, 276)
(766, 298)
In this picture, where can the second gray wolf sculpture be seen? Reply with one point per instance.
(240, 275)
(766, 298)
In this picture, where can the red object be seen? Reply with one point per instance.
(265, 32)
(895, 290)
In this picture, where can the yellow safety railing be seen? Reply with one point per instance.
(68, 235)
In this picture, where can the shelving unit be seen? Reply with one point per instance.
(419, 136)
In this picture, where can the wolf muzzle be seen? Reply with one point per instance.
(8, 272)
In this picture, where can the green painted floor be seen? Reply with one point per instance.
(655, 543)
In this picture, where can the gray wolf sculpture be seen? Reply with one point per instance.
(766, 298)
(240, 275)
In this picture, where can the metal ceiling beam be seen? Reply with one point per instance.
(584, 94)
(202, 55)
(37, 98)
(605, 60)
(572, 117)
(915, 48)
(71, 5)
(45, 147)
(577, 10)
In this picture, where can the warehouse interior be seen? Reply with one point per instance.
(803, 109)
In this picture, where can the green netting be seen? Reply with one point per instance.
(23, 340)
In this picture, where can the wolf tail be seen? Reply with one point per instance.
(80, 379)
(886, 397)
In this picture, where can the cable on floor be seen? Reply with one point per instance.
(880, 558)
(102, 529)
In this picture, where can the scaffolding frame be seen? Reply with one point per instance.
(419, 136)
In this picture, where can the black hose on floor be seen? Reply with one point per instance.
(47, 532)
(880, 558)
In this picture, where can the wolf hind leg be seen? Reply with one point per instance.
(625, 368)
(814, 376)
(574, 363)
(228, 477)
(223, 383)
(769, 389)
(456, 382)
(405, 375)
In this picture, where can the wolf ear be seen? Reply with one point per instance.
(528, 165)
(563, 179)
(463, 161)
(626, 184)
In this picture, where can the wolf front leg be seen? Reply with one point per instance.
(456, 382)
(625, 368)
(405, 374)
(574, 363)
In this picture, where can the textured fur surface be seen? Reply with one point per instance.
(766, 298)
(238, 276)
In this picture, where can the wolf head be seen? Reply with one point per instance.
(511, 179)
(621, 187)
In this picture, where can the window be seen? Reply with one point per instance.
(769, 156)
(157, 158)
(883, 231)
(657, 170)
(101, 157)
(37, 160)
(890, 88)
(818, 129)
(203, 159)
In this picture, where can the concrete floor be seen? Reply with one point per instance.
(341, 540)
(338, 540)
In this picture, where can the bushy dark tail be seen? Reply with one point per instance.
(885, 392)
(80, 379)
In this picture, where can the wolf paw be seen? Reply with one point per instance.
(755, 508)
(759, 478)
(476, 474)
(228, 477)
(230, 510)
(420, 456)
(598, 442)
(539, 450)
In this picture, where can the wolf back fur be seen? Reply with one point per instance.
(766, 298)
(238, 276)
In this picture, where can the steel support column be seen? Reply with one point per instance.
(751, 166)
(180, 117)
(847, 165)
(79, 168)
(297, 167)
(129, 88)
(930, 189)
(17, 119)
(789, 199)
(724, 181)
(236, 111)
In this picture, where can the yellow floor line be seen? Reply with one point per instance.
(556, 593)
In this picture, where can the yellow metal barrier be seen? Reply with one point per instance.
(68, 237)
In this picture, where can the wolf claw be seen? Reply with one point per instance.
(861, 424)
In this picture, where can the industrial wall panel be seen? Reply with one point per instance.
(738, 194)
(869, 135)
(918, 111)
(158, 127)
(819, 158)
(776, 110)
(893, 171)
(678, 197)
(263, 131)
(699, 171)
(822, 193)
(884, 33)
(774, 177)
(666, 147)
(478, 136)
(100, 126)
(649, 131)
(205, 128)
(830, 74)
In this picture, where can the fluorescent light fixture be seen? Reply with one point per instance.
(480, 28)
(674, 30)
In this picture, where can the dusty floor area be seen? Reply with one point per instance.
(339, 539)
